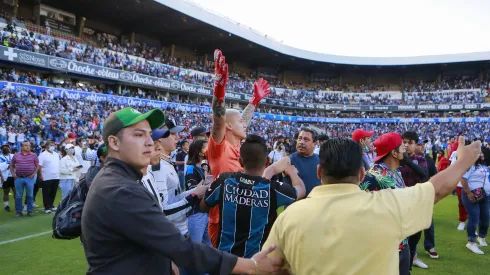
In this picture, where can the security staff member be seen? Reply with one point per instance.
(123, 229)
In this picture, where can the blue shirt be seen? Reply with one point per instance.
(306, 169)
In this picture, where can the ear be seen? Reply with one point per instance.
(362, 174)
(113, 143)
(319, 171)
(228, 126)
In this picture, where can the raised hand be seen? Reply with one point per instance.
(220, 75)
(261, 90)
(470, 153)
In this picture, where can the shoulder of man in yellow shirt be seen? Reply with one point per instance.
(409, 209)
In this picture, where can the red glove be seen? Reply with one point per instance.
(261, 90)
(220, 75)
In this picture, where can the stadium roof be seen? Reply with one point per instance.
(184, 24)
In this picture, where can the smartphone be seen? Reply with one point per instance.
(208, 180)
(79, 166)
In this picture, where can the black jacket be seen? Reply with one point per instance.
(125, 232)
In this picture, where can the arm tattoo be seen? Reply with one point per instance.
(248, 113)
(218, 107)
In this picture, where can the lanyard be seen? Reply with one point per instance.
(394, 175)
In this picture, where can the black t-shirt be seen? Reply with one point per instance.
(180, 157)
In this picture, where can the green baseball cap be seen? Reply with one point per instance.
(128, 116)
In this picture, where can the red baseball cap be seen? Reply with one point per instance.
(359, 134)
(386, 143)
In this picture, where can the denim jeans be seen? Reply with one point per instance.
(198, 228)
(66, 186)
(404, 264)
(181, 180)
(429, 237)
(198, 233)
(28, 184)
(478, 215)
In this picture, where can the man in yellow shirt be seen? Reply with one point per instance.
(341, 233)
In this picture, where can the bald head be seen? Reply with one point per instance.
(231, 115)
(235, 124)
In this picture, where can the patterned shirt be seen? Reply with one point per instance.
(25, 165)
(379, 177)
(411, 177)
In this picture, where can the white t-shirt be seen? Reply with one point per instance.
(21, 137)
(452, 159)
(5, 165)
(79, 157)
(50, 163)
(11, 137)
(477, 177)
(275, 155)
(173, 199)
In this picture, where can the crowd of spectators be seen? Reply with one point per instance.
(150, 60)
(26, 116)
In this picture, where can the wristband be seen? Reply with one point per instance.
(256, 265)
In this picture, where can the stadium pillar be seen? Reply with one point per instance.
(16, 7)
(119, 92)
(340, 80)
(172, 50)
(81, 25)
(132, 38)
(205, 60)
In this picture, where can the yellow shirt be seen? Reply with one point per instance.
(342, 230)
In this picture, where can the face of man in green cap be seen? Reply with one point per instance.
(133, 145)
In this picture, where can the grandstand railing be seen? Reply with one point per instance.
(130, 101)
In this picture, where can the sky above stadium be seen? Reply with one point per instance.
(374, 28)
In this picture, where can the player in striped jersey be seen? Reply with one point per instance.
(248, 203)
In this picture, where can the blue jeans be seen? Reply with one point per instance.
(478, 214)
(181, 180)
(66, 186)
(28, 184)
(198, 233)
(429, 237)
(198, 228)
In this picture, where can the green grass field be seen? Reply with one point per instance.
(43, 255)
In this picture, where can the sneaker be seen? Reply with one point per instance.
(482, 241)
(35, 205)
(30, 214)
(47, 211)
(433, 253)
(419, 263)
(54, 208)
(461, 226)
(19, 215)
(25, 208)
(474, 248)
(7, 208)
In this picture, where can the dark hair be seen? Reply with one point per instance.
(278, 144)
(341, 158)
(184, 141)
(194, 150)
(314, 135)
(63, 151)
(253, 152)
(296, 135)
(323, 137)
(411, 136)
(101, 152)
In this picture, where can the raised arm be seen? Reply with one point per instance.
(218, 128)
(445, 182)
(261, 90)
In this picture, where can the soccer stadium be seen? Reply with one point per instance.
(193, 143)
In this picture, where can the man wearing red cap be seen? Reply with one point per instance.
(384, 174)
(364, 139)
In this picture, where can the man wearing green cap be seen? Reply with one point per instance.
(123, 228)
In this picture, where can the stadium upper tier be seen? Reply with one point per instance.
(235, 28)
(146, 60)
